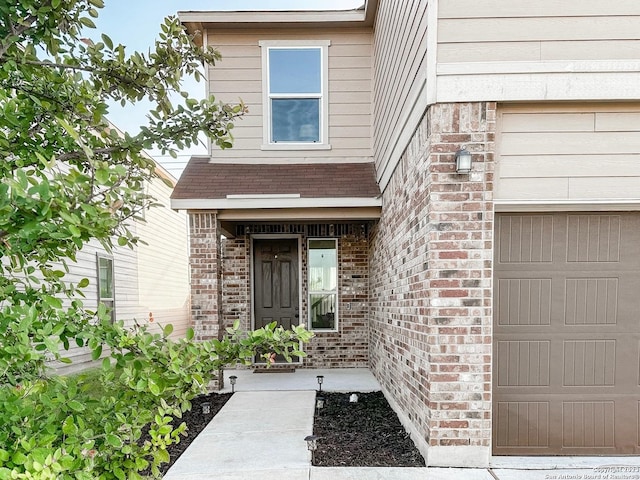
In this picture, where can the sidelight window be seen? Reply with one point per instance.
(323, 284)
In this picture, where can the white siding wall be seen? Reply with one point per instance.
(163, 264)
(400, 77)
(568, 154)
(239, 76)
(151, 278)
(545, 50)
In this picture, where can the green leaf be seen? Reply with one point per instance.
(53, 302)
(102, 175)
(69, 427)
(76, 406)
(96, 353)
(114, 440)
(107, 41)
(18, 458)
(167, 330)
(83, 283)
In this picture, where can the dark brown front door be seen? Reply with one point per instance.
(276, 282)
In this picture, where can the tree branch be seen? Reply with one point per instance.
(16, 32)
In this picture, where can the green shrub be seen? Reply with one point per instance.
(89, 426)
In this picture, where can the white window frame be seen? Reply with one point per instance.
(335, 291)
(323, 144)
(101, 299)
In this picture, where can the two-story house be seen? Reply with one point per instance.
(495, 302)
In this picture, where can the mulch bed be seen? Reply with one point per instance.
(362, 434)
(196, 421)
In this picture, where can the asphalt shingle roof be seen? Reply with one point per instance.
(204, 180)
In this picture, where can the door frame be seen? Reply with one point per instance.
(268, 236)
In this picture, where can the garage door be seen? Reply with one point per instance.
(567, 334)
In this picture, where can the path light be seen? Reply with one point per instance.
(233, 380)
(320, 379)
(320, 400)
(206, 408)
(312, 445)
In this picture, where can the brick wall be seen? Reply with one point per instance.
(430, 274)
(236, 282)
(348, 347)
(204, 264)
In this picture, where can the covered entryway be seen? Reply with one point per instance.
(276, 285)
(567, 334)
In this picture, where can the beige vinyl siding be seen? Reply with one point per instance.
(151, 278)
(519, 30)
(518, 50)
(400, 64)
(570, 153)
(163, 264)
(239, 76)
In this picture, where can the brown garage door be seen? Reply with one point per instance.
(567, 334)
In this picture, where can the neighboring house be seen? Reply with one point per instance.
(148, 284)
(498, 308)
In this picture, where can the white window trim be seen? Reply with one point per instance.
(100, 256)
(323, 144)
(336, 292)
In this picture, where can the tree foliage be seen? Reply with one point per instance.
(67, 177)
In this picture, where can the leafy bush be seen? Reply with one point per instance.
(89, 426)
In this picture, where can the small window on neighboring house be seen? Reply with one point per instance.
(323, 284)
(106, 290)
(295, 94)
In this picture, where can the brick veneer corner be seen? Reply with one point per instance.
(431, 275)
(205, 270)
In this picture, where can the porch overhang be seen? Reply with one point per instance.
(280, 192)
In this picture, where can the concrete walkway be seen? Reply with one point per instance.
(259, 434)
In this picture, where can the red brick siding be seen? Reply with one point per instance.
(348, 347)
(204, 264)
(431, 277)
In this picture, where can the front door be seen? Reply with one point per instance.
(275, 270)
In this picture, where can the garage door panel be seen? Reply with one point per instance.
(524, 301)
(525, 238)
(591, 301)
(588, 425)
(567, 334)
(523, 363)
(593, 238)
(522, 424)
(589, 363)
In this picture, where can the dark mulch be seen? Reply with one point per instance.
(363, 434)
(196, 421)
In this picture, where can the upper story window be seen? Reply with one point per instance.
(295, 84)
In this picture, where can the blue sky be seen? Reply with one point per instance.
(135, 24)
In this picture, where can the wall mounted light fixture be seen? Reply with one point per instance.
(463, 160)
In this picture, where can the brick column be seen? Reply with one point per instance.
(205, 266)
(206, 269)
(431, 292)
(460, 252)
